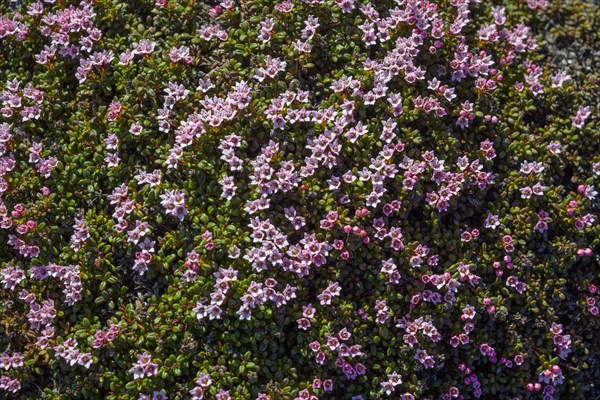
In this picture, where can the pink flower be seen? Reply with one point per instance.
(136, 129)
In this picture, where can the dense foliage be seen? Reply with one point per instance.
(333, 199)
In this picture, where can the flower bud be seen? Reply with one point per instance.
(530, 387)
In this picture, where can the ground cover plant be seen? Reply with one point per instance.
(300, 199)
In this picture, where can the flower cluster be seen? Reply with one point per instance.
(10, 384)
(174, 203)
(143, 366)
(224, 278)
(69, 277)
(80, 235)
(202, 383)
(11, 361)
(101, 337)
(68, 351)
(25, 102)
(562, 342)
